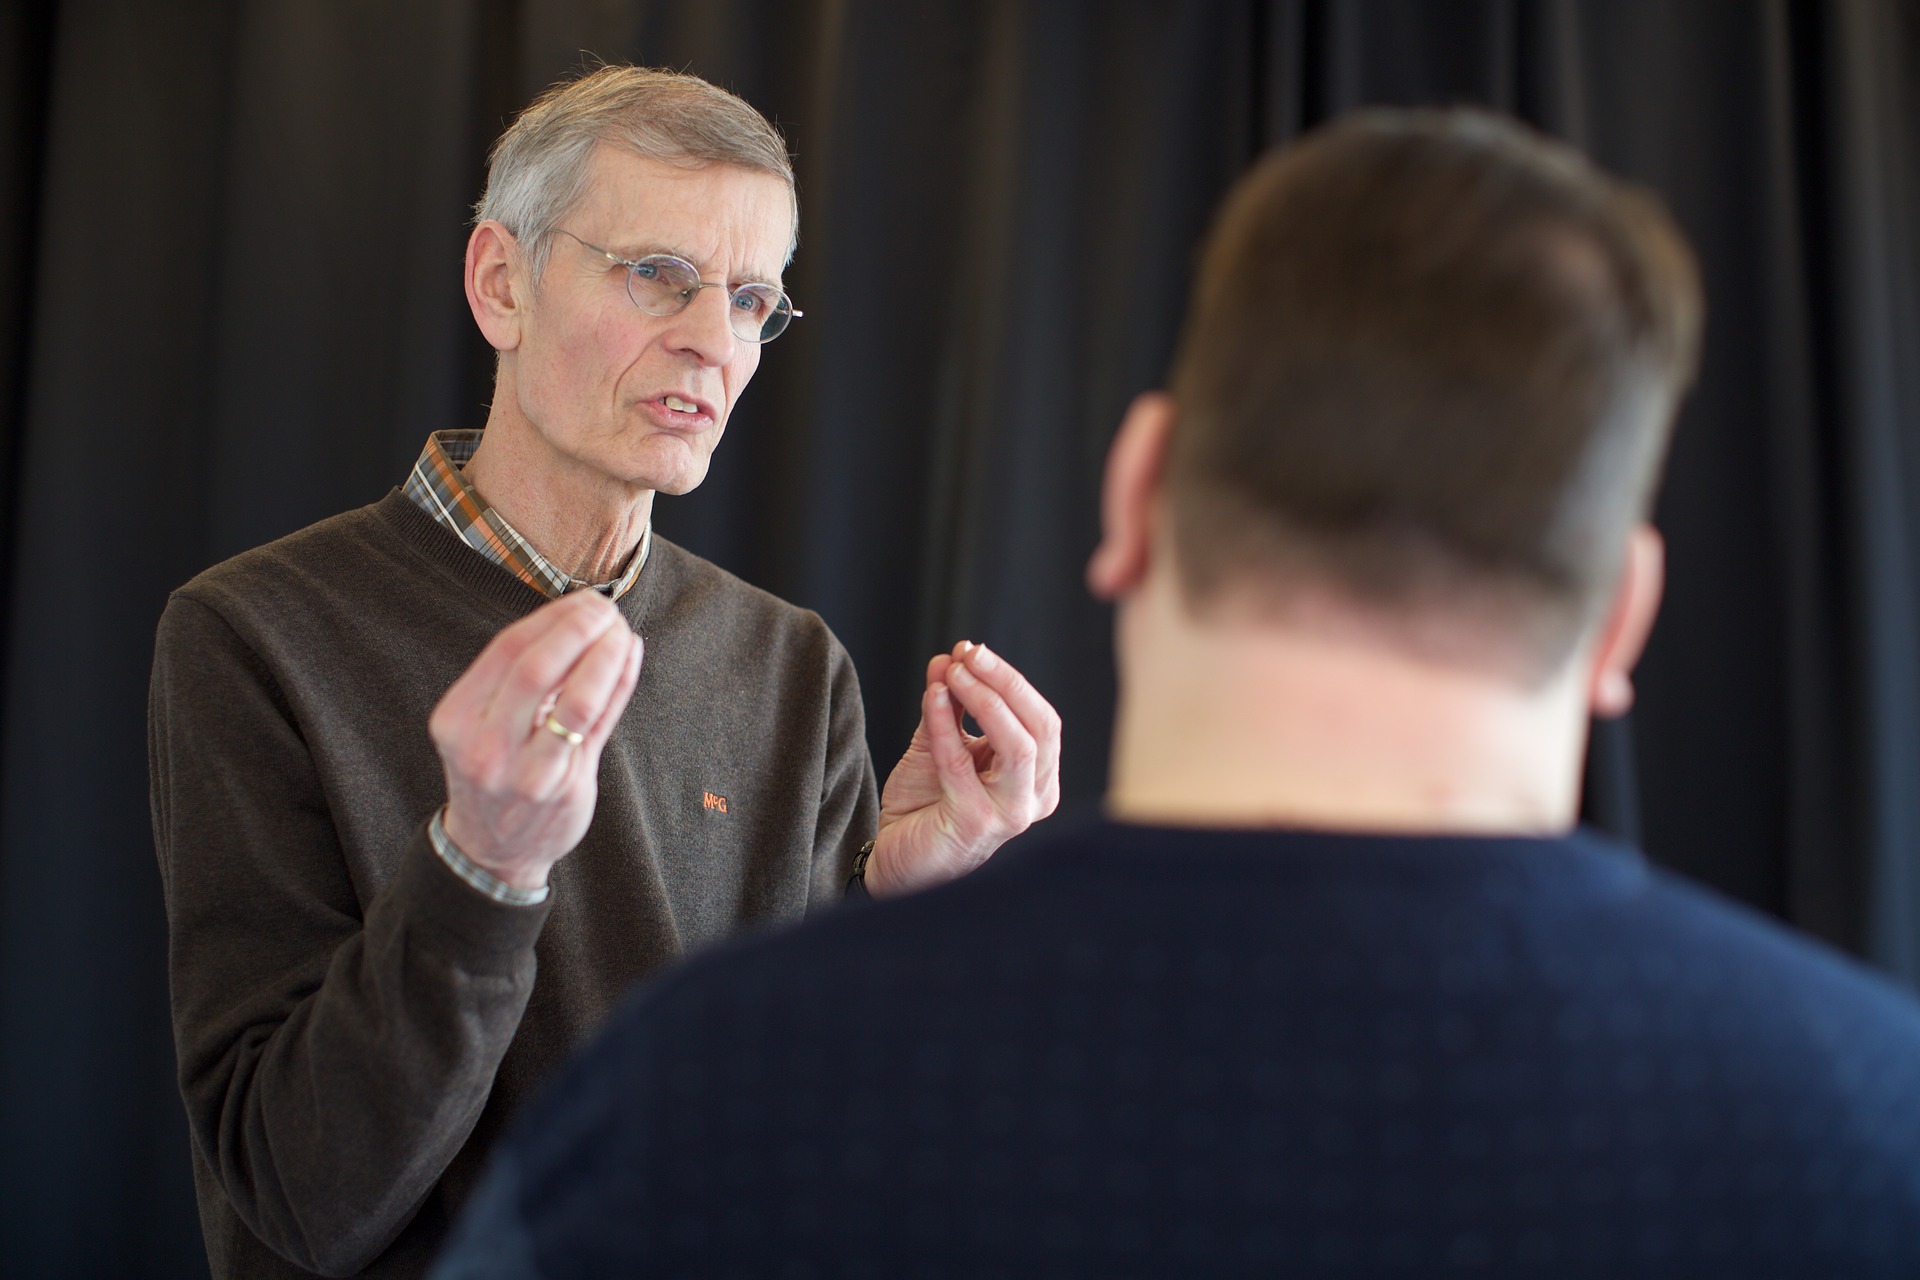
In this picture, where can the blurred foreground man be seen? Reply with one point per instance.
(1335, 988)
(374, 742)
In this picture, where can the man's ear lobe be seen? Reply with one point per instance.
(492, 280)
(1623, 637)
(1130, 497)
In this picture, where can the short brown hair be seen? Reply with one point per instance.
(1432, 361)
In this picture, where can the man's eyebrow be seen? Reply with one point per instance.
(635, 253)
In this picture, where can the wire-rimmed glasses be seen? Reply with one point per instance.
(663, 285)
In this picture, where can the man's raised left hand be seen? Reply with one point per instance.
(956, 797)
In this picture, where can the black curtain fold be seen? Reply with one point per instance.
(26, 33)
(1865, 59)
(230, 237)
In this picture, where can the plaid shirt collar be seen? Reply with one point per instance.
(437, 488)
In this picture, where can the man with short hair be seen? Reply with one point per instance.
(1334, 987)
(405, 758)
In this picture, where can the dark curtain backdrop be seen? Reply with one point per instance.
(230, 239)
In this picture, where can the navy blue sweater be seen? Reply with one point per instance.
(1121, 1051)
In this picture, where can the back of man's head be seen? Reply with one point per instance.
(1431, 365)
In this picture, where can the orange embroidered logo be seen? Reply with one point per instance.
(716, 803)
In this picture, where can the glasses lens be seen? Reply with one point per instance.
(661, 285)
(760, 312)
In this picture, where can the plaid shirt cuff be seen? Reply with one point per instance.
(477, 876)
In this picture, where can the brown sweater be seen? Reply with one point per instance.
(354, 1022)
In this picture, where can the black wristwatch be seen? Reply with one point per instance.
(857, 882)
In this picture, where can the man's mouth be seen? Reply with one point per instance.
(678, 410)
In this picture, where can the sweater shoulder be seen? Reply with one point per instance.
(360, 545)
(1652, 935)
(1775, 965)
(693, 588)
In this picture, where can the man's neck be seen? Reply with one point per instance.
(578, 519)
(1258, 724)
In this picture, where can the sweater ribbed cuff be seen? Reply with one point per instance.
(475, 874)
(473, 929)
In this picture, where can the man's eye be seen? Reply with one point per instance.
(752, 301)
(646, 270)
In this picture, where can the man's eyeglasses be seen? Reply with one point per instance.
(662, 285)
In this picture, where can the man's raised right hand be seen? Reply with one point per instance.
(520, 792)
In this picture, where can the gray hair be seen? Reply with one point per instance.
(539, 168)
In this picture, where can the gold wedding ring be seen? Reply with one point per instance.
(553, 726)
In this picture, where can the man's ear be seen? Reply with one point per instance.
(494, 284)
(1129, 497)
(1629, 621)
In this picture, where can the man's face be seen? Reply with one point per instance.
(593, 373)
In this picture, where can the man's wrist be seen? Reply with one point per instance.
(481, 878)
(857, 882)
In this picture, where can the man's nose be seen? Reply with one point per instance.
(703, 327)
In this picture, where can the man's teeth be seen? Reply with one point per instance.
(682, 406)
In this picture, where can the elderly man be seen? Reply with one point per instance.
(1335, 989)
(491, 724)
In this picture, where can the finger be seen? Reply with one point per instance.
(461, 713)
(937, 668)
(543, 665)
(1033, 710)
(485, 673)
(617, 700)
(583, 765)
(959, 780)
(589, 686)
(544, 759)
(1016, 754)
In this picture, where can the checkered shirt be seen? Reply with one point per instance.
(437, 488)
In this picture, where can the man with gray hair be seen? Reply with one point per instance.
(404, 758)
